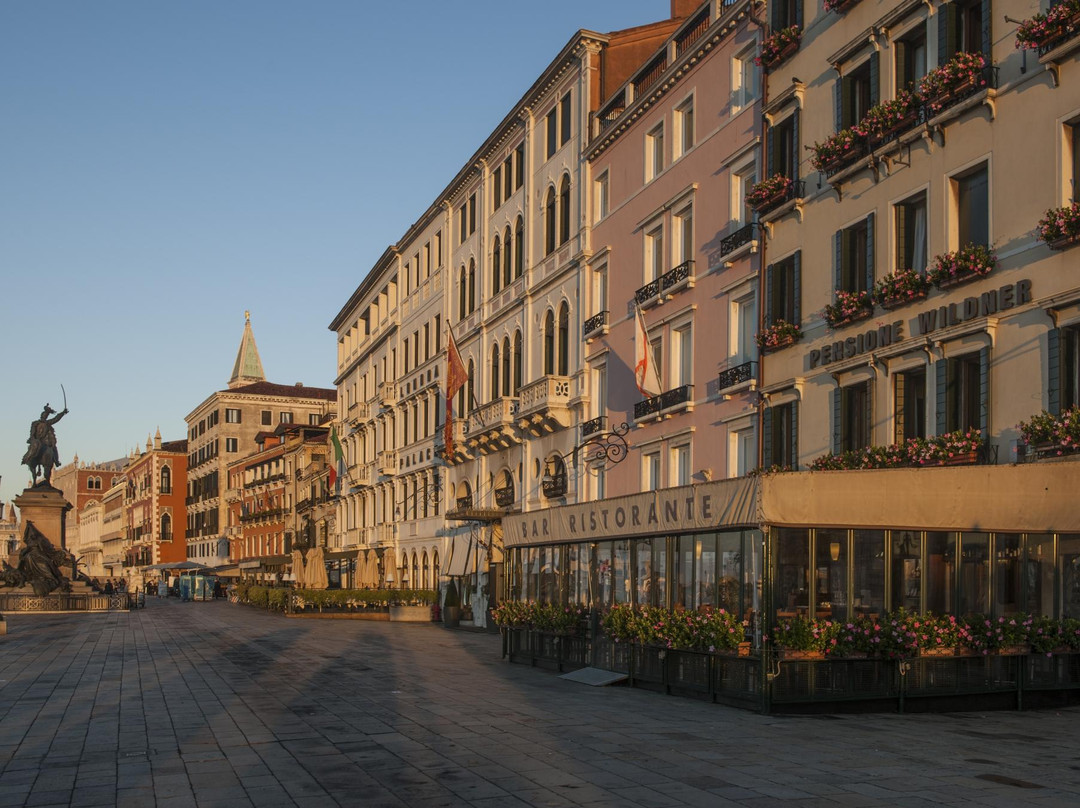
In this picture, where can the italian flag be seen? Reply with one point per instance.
(339, 456)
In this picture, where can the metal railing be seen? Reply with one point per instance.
(741, 237)
(739, 374)
(665, 401)
(594, 324)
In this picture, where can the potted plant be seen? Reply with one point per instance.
(900, 287)
(947, 84)
(1060, 227)
(779, 334)
(849, 307)
(451, 612)
(970, 262)
(837, 150)
(801, 637)
(778, 46)
(1059, 24)
(769, 193)
(1052, 434)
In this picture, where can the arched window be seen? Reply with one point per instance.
(564, 339)
(494, 372)
(519, 246)
(496, 266)
(549, 222)
(166, 480)
(472, 285)
(470, 395)
(564, 210)
(549, 343)
(506, 367)
(517, 362)
(425, 582)
(507, 268)
(462, 291)
(435, 568)
(166, 527)
(415, 570)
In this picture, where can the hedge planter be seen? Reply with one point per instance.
(410, 614)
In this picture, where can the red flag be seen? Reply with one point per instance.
(455, 380)
(645, 374)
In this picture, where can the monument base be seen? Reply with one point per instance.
(46, 507)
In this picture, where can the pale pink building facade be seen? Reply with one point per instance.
(672, 155)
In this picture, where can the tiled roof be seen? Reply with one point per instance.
(286, 390)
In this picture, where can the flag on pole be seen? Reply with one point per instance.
(455, 380)
(645, 371)
(339, 456)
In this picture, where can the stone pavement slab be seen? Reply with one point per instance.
(204, 704)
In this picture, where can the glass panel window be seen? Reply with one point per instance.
(1008, 580)
(621, 576)
(683, 594)
(1038, 575)
(973, 208)
(650, 471)
(1069, 563)
(680, 465)
(963, 399)
(909, 389)
(830, 574)
(744, 327)
(854, 257)
(856, 96)
(684, 233)
(654, 152)
(565, 120)
(729, 550)
(1069, 376)
(552, 123)
(782, 301)
(792, 571)
(868, 595)
(654, 254)
(602, 195)
(602, 574)
(906, 570)
(911, 234)
(705, 558)
(643, 567)
(746, 77)
(682, 360)
(855, 417)
(744, 181)
(974, 586)
(684, 126)
(660, 570)
(742, 451)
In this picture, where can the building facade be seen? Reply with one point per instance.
(155, 506)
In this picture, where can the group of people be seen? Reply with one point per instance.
(111, 585)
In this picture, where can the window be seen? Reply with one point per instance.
(911, 63)
(682, 358)
(166, 527)
(285, 417)
(742, 182)
(463, 223)
(854, 264)
(782, 290)
(650, 471)
(549, 343)
(601, 195)
(680, 464)
(852, 417)
(855, 93)
(472, 214)
(1073, 133)
(963, 392)
(508, 176)
(495, 365)
(742, 452)
(599, 288)
(972, 205)
(654, 253)
(472, 285)
(463, 295)
(232, 416)
(552, 132)
(506, 368)
(496, 188)
(654, 152)
(564, 340)
(782, 147)
(785, 13)
(684, 235)
(744, 326)
(963, 27)
(267, 418)
(232, 444)
(166, 480)
(745, 79)
(507, 258)
(565, 120)
(549, 222)
(911, 233)
(684, 127)
(313, 419)
(517, 362)
(779, 440)
(909, 397)
(564, 209)
(496, 266)
(599, 390)
(519, 246)
(519, 166)
(1064, 368)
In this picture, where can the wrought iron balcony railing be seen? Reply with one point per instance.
(594, 324)
(737, 375)
(504, 497)
(667, 400)
(593, 426)
(740, 238)
(681, 275)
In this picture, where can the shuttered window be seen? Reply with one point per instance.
(854, 256)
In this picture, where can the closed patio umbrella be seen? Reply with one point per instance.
(316, 570)
(299, 576)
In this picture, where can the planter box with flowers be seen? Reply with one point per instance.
(962, 447)
(801, 637)
(900, 288)
(1053, 435)
(1060, 227)
(706, 629)
(838, 151)
(969, 263)
(780, 334)
(850, 307)
(891, 118)
(946, 85)
(839, 6)
(778, 46)
(770, 193)
(1044, 32)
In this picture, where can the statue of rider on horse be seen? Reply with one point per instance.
(42, 457)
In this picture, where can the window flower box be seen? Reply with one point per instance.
(779, 335)
(837, 151)
(769, 193)
(900, 288)
(839, 6)
(778, 46)
(1052, 435)
(962, 459)
(945, 85)
(889, 119)
(850, 307)
(1059, 228)
(1044, 31)
(969, 263)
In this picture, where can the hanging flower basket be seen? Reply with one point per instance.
(850, 307)
(1060, 227)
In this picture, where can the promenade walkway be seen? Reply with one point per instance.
(214, 704)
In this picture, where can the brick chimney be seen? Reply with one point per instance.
(681, 9)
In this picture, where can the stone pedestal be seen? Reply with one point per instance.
(46, 507)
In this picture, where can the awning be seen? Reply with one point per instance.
(342, 555)
(461, 556)
(177, 565)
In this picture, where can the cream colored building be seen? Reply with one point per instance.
(222, 428)
(88, 549)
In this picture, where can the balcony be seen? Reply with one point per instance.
(593, 426)
(611, 111)
(461, 450)
(664, 287)
(595, 326)
(384, 534)
(359, 474)
(504, 497)
(492, 425)
(387, 394)
(545, 405)
(740, 238)
(667, 403)
(387, 462)
(357, 414)
(740, 377)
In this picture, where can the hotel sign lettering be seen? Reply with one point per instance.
(970, 308)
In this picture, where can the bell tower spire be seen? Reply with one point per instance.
(248, 367)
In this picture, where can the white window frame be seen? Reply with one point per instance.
(654, 152)
(684, 125)
(602, 195)
(683, 221)
(651, 470)
(743, 315)
(675, 467)
(745, 78)
(655, 257)
(743, 179)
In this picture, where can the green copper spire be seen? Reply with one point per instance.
(248, 367)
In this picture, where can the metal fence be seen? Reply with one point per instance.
(68, 602)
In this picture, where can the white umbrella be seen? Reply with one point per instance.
(368, 570)
(316, 570)
(298, 568)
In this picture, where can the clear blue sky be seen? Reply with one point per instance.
(166, 165)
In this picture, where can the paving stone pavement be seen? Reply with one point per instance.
(213, 704)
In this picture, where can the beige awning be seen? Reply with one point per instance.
(461, 556)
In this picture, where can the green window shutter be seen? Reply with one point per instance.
(838, 103)
(947, 26)
(903, 260)
(1053, 371)
(901, 49)
(848, 110)
(774, 17)
(796, 287)
(770, 152)
(869, 252)
(868, 422)
(837, 414)
(984, 393)
(875, 78)
(987, 32)
(795, 145)
(793, 432)
(768, 317)
(798, 13)
(838, 262)
(898, 408)
(941, 370)
(767, 453)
